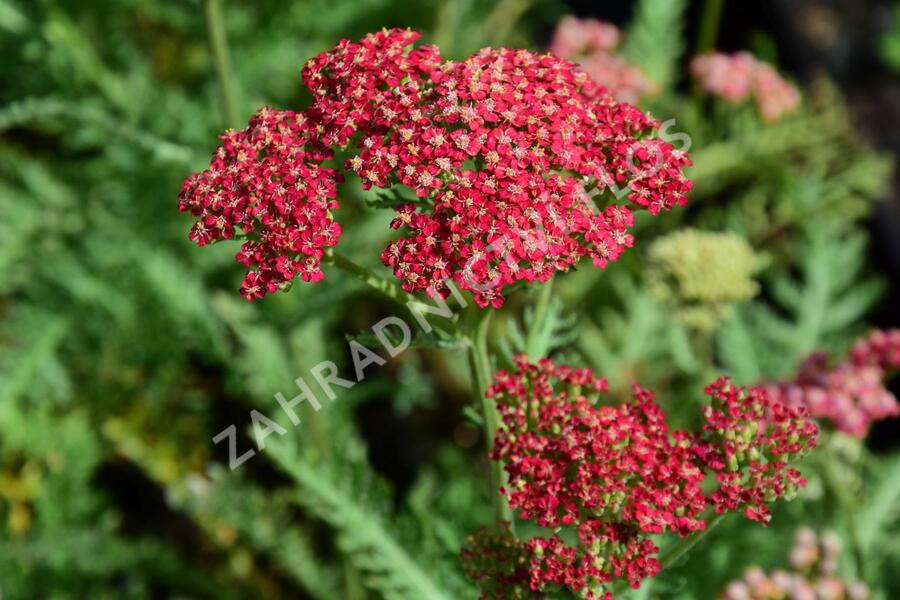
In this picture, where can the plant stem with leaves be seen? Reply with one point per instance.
(388, 288)
(480, 366)
(475, 335)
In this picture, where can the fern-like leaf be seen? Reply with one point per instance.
(654, 40)
(819, 310)
(362, 534)
(882, 507)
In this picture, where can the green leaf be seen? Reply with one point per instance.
(737, 349)
(882, 506)
(362, 533)
(822, 308)
(654, 41)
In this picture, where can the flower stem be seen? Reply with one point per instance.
(847, 501)
(479, 361)
(533, 344)
(497, 25)
(389, 289)
(480, 366)
(370, 278)
(218, 41)
(709, 25)
(679, 548)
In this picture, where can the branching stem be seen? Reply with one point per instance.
(387, 288)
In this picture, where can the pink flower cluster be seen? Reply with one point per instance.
(269, 182)
(501, 150)
(591, 44)
(575, 37)
(814, 559)
(736, 76)
(850, 395)
(614, 475)
(881, 348)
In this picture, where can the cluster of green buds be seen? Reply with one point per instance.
(701, 274)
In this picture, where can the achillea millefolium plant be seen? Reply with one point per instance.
(517, 162)
(402, 170)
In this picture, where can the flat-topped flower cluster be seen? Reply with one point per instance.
(851, 395)
(614, 475)
(503, 151)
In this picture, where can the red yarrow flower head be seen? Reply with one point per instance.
(614, 475)
(515, 163)
(748, 441)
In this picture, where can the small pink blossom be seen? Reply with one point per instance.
(727, 75)
(574, 37)
(735, 77)
(851, 395)
(774, 95)
(591, 44)
(814, 559)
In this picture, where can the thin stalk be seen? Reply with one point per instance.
(353, 586)
(389, 289)
(536, 331)
(446, 27)
(480, 366)
(675, 551)
(679, 548)
(497, 25)
(218, 42)
(847, 502)
(709, 25)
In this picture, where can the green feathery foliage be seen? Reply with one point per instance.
(821, 309)
(362, 533)
(545, 328)
(628, 342)
(653, 39)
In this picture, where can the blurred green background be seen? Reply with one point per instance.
(124, 349)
